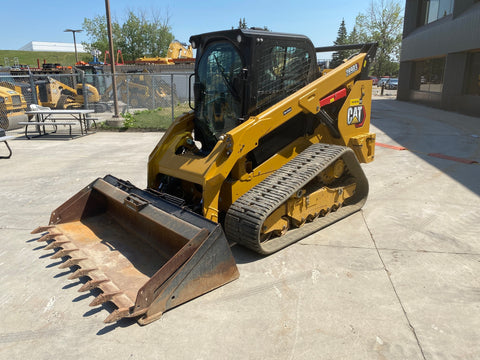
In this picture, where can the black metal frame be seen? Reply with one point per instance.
(3, 138)
(9, 150)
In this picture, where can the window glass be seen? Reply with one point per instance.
(432, 11)
(437, 9)
(428, 75)
(445, 8)
(219, 104)
(472, 79)
(282, 71)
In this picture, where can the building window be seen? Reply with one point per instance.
(436, 9)
(428, 75)
(472, 78)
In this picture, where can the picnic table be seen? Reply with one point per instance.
(52, 117)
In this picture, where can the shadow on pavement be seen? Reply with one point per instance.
(425, 131)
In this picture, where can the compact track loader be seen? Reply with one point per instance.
(57, 95)
(270, 154)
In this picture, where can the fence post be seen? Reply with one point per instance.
(128, 93)
(171, 96)
(33, 87)
(85, 93)
(152, 90)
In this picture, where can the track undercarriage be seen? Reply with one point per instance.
(322, 185)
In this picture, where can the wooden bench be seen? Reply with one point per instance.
(46, 123)
(4, 138)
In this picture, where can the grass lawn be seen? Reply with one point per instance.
(157, 119)
(30, 57)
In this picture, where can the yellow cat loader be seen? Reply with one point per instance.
(270, 154)
(138, 89)
(57, 95)
(12, 106)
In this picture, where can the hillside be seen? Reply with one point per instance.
(30, 57)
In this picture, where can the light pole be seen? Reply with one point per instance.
(112, 62)
(74, 41)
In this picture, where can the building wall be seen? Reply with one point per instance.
(438, 60)
(51, 46)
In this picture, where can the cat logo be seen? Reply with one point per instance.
(356, 115)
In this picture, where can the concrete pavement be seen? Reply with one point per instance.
(398, 280)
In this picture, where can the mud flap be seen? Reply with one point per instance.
(142, 249)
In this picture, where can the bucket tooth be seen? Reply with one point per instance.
(103, 298)
(71, 262)
(62, 253)
(81, 272)
(55, 244)
(117, 315)
(41, 229)
(92, 284)
(49, 236)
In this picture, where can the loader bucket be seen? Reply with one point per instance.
(144, 251)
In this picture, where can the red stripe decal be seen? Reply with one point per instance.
(437, 155)
(334, 97)
(390, 146)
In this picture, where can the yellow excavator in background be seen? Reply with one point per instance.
(270, 154)
(180, 52)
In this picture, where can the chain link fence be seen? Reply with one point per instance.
(136, 92)
(145, 91)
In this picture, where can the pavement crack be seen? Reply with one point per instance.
(394, 289)
(389, 249)
(336, 246)
(430, 251)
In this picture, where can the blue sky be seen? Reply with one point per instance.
(35, 21)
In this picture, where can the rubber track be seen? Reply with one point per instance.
(246, 216)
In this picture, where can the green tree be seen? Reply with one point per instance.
(382, 23)
(139, 35)
(342, 39)
(242, 24)
(96, 30)
(353, 37)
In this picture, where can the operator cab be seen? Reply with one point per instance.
(240, 73)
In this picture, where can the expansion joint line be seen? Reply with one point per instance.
(393, 287)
